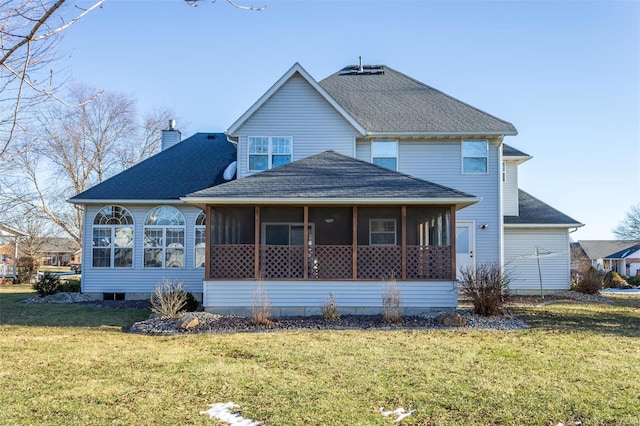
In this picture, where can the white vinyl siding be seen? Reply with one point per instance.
(298, 111)
(520, 263)
(510, 190)
(138, 279)
(307, 298)
(438, 161)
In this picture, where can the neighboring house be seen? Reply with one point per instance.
(59, 251)
(613, 255)
(342, 185)
(9, 252)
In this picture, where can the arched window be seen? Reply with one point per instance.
(201, 222)
(164, 238)
(112, 238)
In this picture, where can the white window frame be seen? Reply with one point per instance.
(463, 156)
(395, 231)
(111, 228)
(373, 156)
(164, 247)
(270, 151)
(504, 172)
(200, 227)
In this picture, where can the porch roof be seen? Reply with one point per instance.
(534, 212)
(330, 178)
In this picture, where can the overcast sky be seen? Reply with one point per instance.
(565, 73)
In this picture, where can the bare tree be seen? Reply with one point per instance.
(74, 149)
(629, 228)
(29, 33)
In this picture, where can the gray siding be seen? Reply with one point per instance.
(297, 110)
(510, 193)
(524, 271)
(440, 161)
(139, 279)
(308, 296)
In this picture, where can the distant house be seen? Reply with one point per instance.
(59, 251)
(342, 184)
(613, 255)
(9, 250)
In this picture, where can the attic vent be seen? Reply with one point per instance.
(362, 70)
(211, 136)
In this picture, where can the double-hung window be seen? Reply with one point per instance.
(112, 238)
(385, 154)
(266, 152)
(382, 232)
(475, 157)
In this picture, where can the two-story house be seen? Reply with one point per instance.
(342, 185)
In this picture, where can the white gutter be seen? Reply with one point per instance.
(474, 134)
(543, 225)
(124, 201)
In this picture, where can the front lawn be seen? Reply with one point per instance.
(73, 365)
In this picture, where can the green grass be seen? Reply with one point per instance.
(73, 365)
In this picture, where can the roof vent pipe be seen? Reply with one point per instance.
(172, 124)
(360, 68)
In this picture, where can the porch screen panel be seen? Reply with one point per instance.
(331, 257)
(428, 242)
(231, 243)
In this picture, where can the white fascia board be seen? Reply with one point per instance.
(106, 201)
(459, 202)
(428, 134)
(543, 225)
(8, 231)
(518, 159)
(296, 68)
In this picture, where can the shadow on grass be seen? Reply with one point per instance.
(12, 312)
(621, 318)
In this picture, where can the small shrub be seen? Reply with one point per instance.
(391, 303)
(486, 286)
(27, 267)
(261, 306)
(330, 310)
(613, 279)
(47, 284)
(70, 286)
(168, 299)
(634, 281)
(191, 304)
(590, 282)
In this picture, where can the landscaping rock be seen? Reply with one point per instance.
(451, 320)
(188, 322)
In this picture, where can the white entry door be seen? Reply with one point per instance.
(465, 245)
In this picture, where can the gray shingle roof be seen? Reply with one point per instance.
(393, 102)
(330, 176)
(607, 249)
(509, 151)
(195, 163)
(534, 212)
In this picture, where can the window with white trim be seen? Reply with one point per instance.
(164, 238)
(112, 238)
(385, 154)
(200, 237)
(382, 232)
(475, 157)
(267, 152)
(504, 171)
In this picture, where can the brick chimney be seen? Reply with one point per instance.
(171, 136)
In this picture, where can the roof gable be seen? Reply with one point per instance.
(334, 178)
(195, 163)
(295, 69)
(389, 102)
(534, 212)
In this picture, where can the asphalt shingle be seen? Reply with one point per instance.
(534, 212)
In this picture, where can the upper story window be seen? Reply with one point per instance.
(504, 171)
(164, 238)
(268, 152)
(112, 238)
(385, 154)
(382, 232)
(201, 222)
(475, 157)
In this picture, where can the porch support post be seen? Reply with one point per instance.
(354, 244)
(208, 242)
(452, 232)
(403, 239)
(256, 243)
(305, 243)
